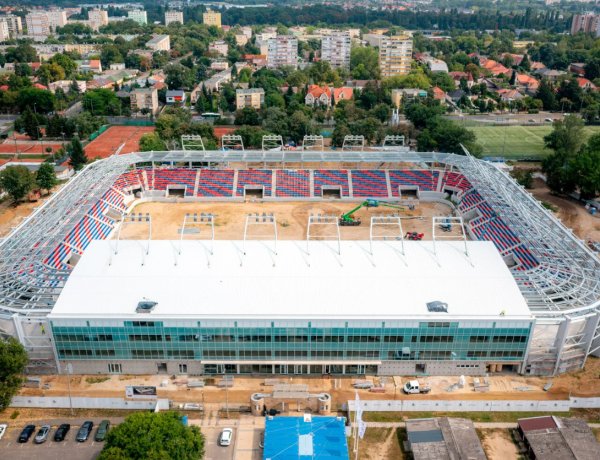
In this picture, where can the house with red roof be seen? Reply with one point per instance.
(494, 67)
(586, 84)
(318, 95)
(439, 95)
(458, 76)
(509, 95)
(526, 83)
(342, 94)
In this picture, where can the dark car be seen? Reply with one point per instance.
(84, 431)
(26, 433)
(61, 432)
(102, 430)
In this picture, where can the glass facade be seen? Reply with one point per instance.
(297, 340)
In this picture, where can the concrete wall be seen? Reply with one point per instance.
(84, 403)
(433, 368)
(133, 366)
(463, 406)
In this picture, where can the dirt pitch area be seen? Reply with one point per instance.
(498, 444)
(107, 143)
(292, 219)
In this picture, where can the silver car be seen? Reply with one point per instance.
(42, 435)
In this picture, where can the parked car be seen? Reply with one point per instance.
(261, 442)
(102, 430)
(548, 120)
(26, 433)
(61, 432)
(42, 434)
(225, 437)
(3, 428)
(84, 431)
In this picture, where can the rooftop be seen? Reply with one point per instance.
(305, 438)
(319, 284)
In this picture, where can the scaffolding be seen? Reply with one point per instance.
(272, 143)
(313, 142)
(353, 143)
(232, 142)
(192, 142)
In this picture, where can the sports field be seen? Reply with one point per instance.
(108, 142)
(517, 141)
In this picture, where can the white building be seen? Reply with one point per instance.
(56, 19)
(97, 18)
(220, 47)
(395, 55)
(37, 24)
(160, 43)
(138, 16)
(14, 24)
(4, 34)
(335, 49)
(173, 16)
(282, 51)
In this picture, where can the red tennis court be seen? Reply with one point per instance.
(107, 143)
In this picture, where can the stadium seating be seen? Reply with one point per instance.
(86, 230)
(292, 183)
(59, 257)
(163, 178)
(367, 184)
(255, 178)
(215, 183)
(331, 178)
(129, 179)
(426, 180)
(496, 231)
(524, 258)
(456, 180)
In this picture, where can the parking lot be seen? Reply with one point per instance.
(68, 449)
(212, 449)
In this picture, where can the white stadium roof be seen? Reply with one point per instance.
(293, 283)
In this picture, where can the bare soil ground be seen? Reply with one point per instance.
(498, 444)
(570, 212)
(109, 141)
(292, 219)
(378, 444)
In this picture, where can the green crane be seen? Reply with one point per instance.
(348, 219)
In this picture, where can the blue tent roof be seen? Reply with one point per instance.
(305, 438)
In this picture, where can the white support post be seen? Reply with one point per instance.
(386, 221)
(257, 219)
(232, 142)
(134, 219)
(191, 221)
(353, 143)
(313, 142)
(323, 220)
(192, 142)
(446, 223)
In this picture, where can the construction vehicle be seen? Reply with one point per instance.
(446, 226)
(414, 236)
(414, 387)
(348, 219)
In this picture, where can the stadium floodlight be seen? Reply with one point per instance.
(192, 142)
(446, 224)
(391, 141)
(192, 225)
(379, 230)
(134, 219)
(260, 220)
(327, 222)
(313, 142)
(272, 143)
(353, 143)
(232, 142)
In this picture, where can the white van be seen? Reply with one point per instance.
(225, 437)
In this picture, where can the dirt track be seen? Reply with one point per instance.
(292, 218)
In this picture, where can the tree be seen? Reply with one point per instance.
(364, 63)
(45, 177)
(586, 168)
(77, 157)
(545, 93)
(152, 142)
(40, 99)
(153, 436)
(16, 181)
(247, 116)
(50, 72)
(30, 123)
(13, 359)
(592, 69)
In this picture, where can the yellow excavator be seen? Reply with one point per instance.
(348, 219)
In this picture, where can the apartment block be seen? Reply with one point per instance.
(14, 24)
(220, 47)
(335, 49)
(173, 16)
(4, 34)
(282, 51)
(251, 97)
(138, 16)
(144, 99)
(56, 19)
(160, 43)
(212, 18)
(37, 24)
(97, 18)
(395, 55)
(587, 23)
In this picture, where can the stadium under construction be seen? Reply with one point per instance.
(515, 290)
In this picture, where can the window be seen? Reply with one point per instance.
(183, 368)
(105, 352)
(105, 337)
(479, 338)
(147, 353)
(510, 338)
(476, 354)
(67, 352)
(180, 354)
(438, 324)
(143, 323)
(115, 368)
(145, 337)
(506, 354)
(436, 338)
(394, 339)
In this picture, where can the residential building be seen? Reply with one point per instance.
(219, 65)
(14, 24)
(138, 16)
(439, 95)
(247, 31)
(282, 51)
(67, 85)
(212, 18)
(159, 43)
(318, 95)
(342, 94)
(89, 65)
(4, 34)
(395, 55)
(335, 49)
(373, 39)
(214, 83)
(56, 19)
(251, 97)
(97, 18)
(586, 84)
(173, 16)
(587, 23)
(220, 47)
(437, 65)
(526, 83)
(241, 39)
(493, 67)
(144, 99)
(176, 96)
(37, 24)
(558, 438)
(577, 68)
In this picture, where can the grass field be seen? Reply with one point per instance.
(517, 141)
